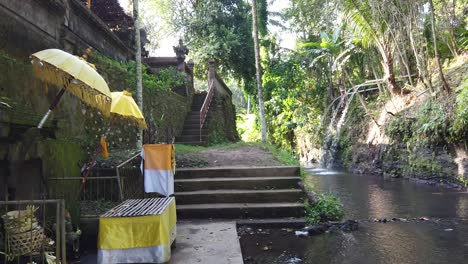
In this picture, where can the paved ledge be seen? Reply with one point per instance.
(207, 242)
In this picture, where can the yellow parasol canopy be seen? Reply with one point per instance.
(124, 105)
(75, 75)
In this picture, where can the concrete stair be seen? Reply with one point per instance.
(191, 131)
(239, 193)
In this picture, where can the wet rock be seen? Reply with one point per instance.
(315, 229)
(266, 248)
(350, 225)
(423, 218)
(384, 220)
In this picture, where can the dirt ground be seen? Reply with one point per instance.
(241, 156)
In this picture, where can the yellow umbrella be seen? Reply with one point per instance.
(124, 105)
(74, 75)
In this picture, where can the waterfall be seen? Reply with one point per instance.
(329, 133)
(329, 148)
(336, 138)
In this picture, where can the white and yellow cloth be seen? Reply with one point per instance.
(158, 167)
(137, 239)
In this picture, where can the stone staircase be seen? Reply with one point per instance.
(191, 131)
(239, 193)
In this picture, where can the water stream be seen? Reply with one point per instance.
(441, 239)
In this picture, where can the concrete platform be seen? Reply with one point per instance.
(207, 242)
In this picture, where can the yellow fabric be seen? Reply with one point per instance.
(124, 105)
(75, 75)
(137, 232)
(159, 156)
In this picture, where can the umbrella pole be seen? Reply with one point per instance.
(51, 108)
(92, 163)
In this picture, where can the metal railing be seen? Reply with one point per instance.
(206, 106)
(98, 193)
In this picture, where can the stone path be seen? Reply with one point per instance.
(207, 242)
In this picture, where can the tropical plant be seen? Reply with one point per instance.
(327, 208)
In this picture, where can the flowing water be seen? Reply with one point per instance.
(441, 239)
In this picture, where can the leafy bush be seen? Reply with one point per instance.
(124, 73)
(460, 124)
(399, 128)
(327, 208)
(432, 124)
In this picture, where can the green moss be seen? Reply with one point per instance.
(424, 167)
(62, 159)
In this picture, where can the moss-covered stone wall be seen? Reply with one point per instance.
(72, 134)
(222, 121)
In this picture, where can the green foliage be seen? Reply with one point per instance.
(431, 123)
(219, 30)
(184, 149)
(285, 157)
(431, 127)
(460, 124)
(327, 208)
(247, 128)
(124, 73)
(399, 128)
(422, 166)
(463, 181)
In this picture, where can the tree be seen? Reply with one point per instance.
(258, 67)
(139, 85)
(445, 86)
(369, 24)
(215, 29)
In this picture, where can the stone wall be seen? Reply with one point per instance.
(28, 26)
(222, 113)
(72, 133)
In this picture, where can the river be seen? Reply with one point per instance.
(443, 238)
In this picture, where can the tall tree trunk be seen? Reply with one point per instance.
(259, 69)
(389, 72)
(139, 88)
(445, 86)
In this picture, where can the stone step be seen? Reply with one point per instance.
(254, 183)
(196, 107)
(192, 121)
(188, 132)
(235, 172)
(239, 196)
(190, 126)
(194, 114)
(191, 138)
(240, 210)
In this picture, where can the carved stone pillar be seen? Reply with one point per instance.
(181, 52)
(211, 71)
